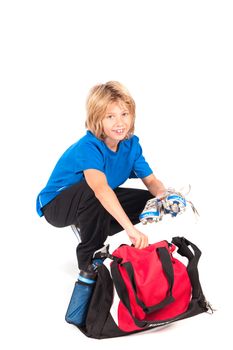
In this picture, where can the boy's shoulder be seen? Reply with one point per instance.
(89, 143)
(88, 138)
(133, 140)
(86, 143)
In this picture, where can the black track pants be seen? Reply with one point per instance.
(78, 205)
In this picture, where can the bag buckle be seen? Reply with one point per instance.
(103, 253)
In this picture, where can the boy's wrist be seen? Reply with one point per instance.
(161, 193)
(128, 228)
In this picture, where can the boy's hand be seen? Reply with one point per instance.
(139, 239)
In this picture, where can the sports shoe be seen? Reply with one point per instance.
(152, 211)
(174, 203)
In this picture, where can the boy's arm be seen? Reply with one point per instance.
(107, 197)
(154, 186)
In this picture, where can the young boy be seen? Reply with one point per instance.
(83, 189)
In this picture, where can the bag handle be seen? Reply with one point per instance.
(184, 250)
(123, 292)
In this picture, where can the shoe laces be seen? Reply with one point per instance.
(151, 204)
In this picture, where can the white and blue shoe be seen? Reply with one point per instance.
(171, 202)
(174, 203)
(152, 211)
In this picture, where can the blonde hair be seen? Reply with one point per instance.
(98, 100)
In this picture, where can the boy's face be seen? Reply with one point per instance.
(116, 123)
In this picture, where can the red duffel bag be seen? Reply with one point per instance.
(144, 288)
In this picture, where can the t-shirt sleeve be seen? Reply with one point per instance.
(140, 168)
(90, 157)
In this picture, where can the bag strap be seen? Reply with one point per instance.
(184, 250)
(169, 273)
(122, 289)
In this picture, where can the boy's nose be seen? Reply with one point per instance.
(119, 120)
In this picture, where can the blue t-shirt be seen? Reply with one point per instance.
(91, 153)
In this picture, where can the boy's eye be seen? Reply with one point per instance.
(125, 114)
(110, 116)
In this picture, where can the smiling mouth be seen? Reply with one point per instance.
(119, 131)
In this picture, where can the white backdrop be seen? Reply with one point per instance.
(176, 58)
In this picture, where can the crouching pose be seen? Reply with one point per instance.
(83, 189)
